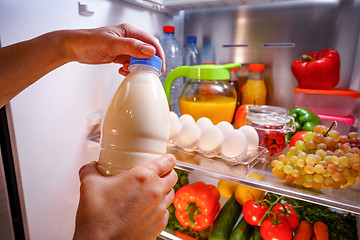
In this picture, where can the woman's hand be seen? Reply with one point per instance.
(111, 44)
(129, 206)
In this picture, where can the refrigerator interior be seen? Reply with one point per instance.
(52, 119)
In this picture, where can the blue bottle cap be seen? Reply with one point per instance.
(155, 61)
(191, 39)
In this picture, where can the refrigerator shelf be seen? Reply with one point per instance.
(173, 6)
(249, 160)
(342, 199)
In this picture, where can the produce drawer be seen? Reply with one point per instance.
(344, 200)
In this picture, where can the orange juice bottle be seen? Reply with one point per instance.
(254, 91)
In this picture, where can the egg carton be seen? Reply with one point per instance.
(246, 159)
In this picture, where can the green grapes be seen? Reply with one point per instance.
(300, 145)
(321, 161)
(310, 160)
(308, 136)
(318, 168)
(310, 145)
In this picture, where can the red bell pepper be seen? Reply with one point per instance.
(317, 70)
(197, 205)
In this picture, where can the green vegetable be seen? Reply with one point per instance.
(341, 226)
(305, 120)
(242, 231)
(225, 220)
(256, 234)
(182, 179)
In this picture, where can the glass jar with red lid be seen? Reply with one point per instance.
(272, 124)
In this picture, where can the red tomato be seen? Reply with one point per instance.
(297, 136)
(271, 231)
(292, 219)
(253, 212)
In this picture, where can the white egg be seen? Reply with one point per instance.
(203, 123)
(173, 115)
(186, 118)
(252, 137)
(225, 127)
(175, 127)
(189, 135)
(234, 145)
(210, 139)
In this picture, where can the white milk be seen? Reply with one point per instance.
(136, 126)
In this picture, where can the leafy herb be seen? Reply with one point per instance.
(341, 226)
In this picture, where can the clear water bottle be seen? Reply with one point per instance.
(173, 59)
(191, 52)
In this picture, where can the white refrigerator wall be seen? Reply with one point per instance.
(50, 117)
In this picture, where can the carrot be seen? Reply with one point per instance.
(183, 236)
(321, 231)
(304, 231)
(314, 238)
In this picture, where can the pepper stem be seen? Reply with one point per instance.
(192, 210)
(306, 58)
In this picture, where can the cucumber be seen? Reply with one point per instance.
(242, 231)
(225, 220)
(256, 234)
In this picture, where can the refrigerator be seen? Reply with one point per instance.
(48, 130)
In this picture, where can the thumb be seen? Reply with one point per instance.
(134, 47)
(88, 170)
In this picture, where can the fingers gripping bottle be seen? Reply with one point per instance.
(136, 125)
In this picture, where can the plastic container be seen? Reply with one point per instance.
(272, 124)
(173, 59)
(136, 126)
(334, 102)
(254, 91)
(343, 123)
(191, 53)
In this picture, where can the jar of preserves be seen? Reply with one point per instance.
(272, 124)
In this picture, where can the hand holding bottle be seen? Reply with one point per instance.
(129, 206)
(113, 44)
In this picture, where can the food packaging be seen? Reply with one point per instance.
(334, 102)
(343, 124)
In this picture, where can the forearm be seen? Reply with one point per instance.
(24, 63)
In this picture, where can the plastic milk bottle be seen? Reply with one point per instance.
(136, 126)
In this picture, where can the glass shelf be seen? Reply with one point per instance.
(342, 199)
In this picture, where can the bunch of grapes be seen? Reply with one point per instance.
(325, 159)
